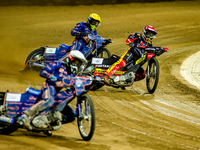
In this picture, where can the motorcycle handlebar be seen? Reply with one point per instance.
(157, 50)
(161, 50)
(93, 38)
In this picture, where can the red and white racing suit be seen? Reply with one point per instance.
(135, 41)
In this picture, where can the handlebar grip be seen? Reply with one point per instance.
(166, 49)
(108, 41)
(160, 51)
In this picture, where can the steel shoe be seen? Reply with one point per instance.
(26, 121)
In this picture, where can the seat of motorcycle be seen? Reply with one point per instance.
(111, 60)
(105, 63)
(33, 91)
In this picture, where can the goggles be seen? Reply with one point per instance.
(150, 35)
(77, 63)
(95, 23)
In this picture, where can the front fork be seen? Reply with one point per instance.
(79, 109)
(147, 70)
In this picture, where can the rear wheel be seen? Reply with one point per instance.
(152, 75)
(35, 55)
(5, 129)
(104, 53)
(86, 117)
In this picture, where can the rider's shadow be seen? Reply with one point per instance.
(75, 143)
(130, 94)
(127, 90)
(59, 140)
(41, 135)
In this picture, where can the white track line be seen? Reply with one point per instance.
(190, 69)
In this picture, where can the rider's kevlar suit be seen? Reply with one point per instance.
(133, 53)
(50, 89)
(81, 30)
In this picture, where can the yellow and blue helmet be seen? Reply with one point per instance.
(94, 20)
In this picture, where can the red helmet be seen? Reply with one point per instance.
(148, 33)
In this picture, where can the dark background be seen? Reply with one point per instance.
(71, 2)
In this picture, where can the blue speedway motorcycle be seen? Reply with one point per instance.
(41, 57)
(13, 104)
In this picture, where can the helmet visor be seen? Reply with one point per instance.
(150, 35)
(94, 22)
(77, 62)
(75, 65)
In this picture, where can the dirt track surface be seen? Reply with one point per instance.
(125, 120)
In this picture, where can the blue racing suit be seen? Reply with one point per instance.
(81, 41)
(50, 88)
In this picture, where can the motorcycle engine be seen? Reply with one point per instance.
(124, 79)
(52, 119)
(2, 109)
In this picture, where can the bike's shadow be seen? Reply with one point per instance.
(59, 140)
(126, 90)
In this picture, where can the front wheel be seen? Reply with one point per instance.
(86, 117)
(103, 53)
(152, 75)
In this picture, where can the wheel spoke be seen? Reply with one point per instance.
(86, 121)
(152, 79)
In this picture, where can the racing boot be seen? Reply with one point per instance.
(26, 121)
(140, 76)
(109, 72)
(112, 69)
(105, 79)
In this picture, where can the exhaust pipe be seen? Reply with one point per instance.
(38, 65)
(6, 120)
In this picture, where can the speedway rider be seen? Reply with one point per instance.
(81, 31)
(54, 73)
(137, 43)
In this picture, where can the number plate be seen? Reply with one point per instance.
(14, 97)
(97, 60)
(50, 50)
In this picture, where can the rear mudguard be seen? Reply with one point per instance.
(2, 94)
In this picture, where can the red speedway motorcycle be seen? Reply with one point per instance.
(126, 76)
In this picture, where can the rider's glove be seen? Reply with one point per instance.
(53, 78)
(140, 46)
(131, 44)
(108, 41)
